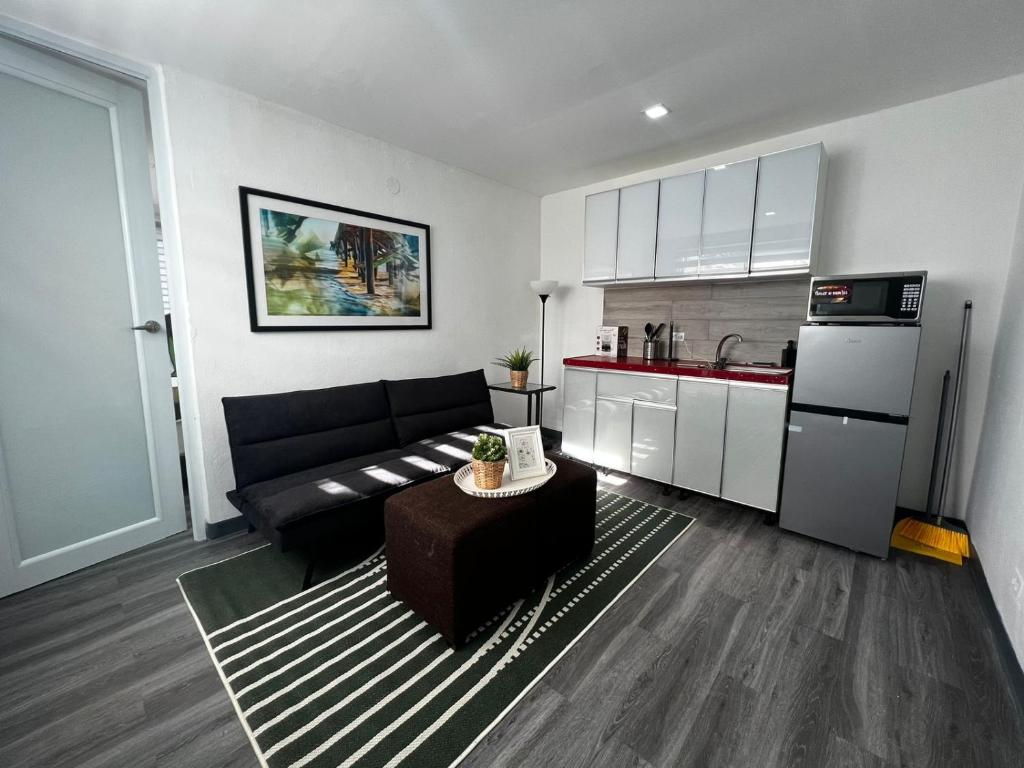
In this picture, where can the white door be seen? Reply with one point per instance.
(638, 231)
(680, 210)
(654, 426)
(755, 424)
(728, 218)
(600, 235)
(88, 445)
(579, 388)
(700, 434)
(613, 433)
(789, 191)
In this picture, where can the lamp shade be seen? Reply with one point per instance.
(544, 287)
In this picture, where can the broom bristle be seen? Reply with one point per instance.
(935, 536)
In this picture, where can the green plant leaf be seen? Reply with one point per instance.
(489, 448)
(517, 360)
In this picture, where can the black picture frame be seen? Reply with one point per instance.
(260, 320)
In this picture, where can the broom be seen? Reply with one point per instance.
(940, 539)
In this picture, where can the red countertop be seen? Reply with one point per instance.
(751, 373)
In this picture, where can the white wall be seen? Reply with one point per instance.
(997, 493)
(929, 185)
(484, 238)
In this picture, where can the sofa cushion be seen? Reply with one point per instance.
(275, 435)
(425, 407)
(283, 501)
(453, 449)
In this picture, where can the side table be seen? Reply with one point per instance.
(532, 392)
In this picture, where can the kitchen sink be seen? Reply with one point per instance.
(692, 363)
(751, 368)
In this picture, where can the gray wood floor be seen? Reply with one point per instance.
(743, 646)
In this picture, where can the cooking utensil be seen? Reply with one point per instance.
(647, 330)
(658, 330)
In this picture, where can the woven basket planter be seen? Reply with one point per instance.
(519, 379)
(487, 474)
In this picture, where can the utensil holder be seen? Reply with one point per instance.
(650, 349)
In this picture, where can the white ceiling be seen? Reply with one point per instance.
(547, 94)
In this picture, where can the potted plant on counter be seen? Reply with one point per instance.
(489, 455)
(518, 362)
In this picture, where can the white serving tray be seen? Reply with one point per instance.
(509, 487)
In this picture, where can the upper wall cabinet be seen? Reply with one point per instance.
(680, 209)
(787, 218)
(752, 218)
(600, 237)
(638, 231)
(728, 218)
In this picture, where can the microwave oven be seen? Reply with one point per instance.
(888, 297)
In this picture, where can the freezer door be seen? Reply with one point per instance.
(857, 367)
(841, 479)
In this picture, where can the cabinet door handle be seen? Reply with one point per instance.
(656, 406)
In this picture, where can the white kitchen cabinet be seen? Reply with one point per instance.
(638, 228)
(752, 461)
(579, 390)
(653, 431)
(700, 434)
(680, 210)
(613, 433)
(728, 219)
(787, 219)
(600, 237)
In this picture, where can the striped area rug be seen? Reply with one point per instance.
(343, 675)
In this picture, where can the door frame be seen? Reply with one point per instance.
(156, 102)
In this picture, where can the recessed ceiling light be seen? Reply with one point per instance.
(656, 110)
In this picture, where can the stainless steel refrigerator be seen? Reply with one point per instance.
(847, 429)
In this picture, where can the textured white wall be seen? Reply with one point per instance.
(929, 185)
(996, 508)
(484, 240)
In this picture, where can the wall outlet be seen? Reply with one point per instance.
(1017, 582)
(679, 336)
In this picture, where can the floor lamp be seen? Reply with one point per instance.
(543, 288)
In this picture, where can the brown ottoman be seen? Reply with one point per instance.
(457, 560)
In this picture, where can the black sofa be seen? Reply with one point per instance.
(313, 468)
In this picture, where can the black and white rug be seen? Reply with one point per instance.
(343, 675)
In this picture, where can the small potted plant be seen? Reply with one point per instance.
(489, 454)
(518, 362)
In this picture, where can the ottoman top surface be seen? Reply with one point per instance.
(441, 504)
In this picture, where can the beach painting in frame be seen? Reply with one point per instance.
(317, 267)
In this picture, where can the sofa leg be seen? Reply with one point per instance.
(307, 580)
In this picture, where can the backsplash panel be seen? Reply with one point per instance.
(767, 314)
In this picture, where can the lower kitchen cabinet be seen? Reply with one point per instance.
(722, 438)
(752, 460)
(579, 388)
(654, 427)
(613, 433)
(700, 434)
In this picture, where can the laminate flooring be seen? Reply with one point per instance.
(744, 645)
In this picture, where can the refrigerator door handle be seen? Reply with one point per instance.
(848, 413)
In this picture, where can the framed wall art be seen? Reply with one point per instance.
(317, 267)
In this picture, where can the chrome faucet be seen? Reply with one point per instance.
(720, 361)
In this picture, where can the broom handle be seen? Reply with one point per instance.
(968, 305)
(937, 457)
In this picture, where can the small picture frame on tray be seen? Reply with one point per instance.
(525, 452)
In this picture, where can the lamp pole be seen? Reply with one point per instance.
(543, 289)
(543, 320)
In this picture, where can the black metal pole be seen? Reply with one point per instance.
(540, 395)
